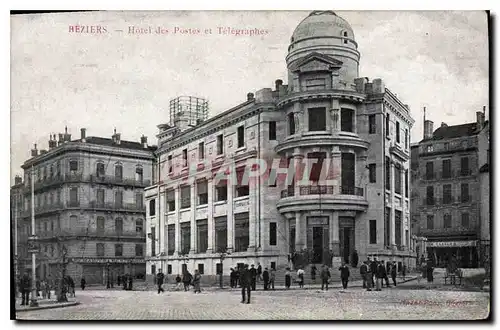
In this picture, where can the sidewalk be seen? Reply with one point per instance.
(45, 304)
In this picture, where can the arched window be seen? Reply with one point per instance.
(118, 172)
(152, 207)
(138, 174)
(100, 171)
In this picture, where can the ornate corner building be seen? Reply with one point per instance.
(327, 112)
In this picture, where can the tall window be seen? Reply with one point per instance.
(317, 119)
(185, 197)
(407, 183)
(119, 226)
(242, 232)
(118, 199)
(446, 168)
(273, 233)
(100, 171)
(220, 144)
(153, 241)
(464, 166)
(184, 157)
(447, 220)
(346, 120)
(398, 138)
(170, 200)
(139, 226)
(202, 189)
(447, 198)
(171, 239)
(139, 250)
(73, 197)
(387, 125)
(100, 225)
(221, 191)
(241, 136)
(373, 231)
(100, 249)
(387, 228)
(372, 124)
(430, 221)
(152, 207)
(242, 187)
(315, 173)
(201, 150)
(429, 170)
(138, 174)
(185, 237)
(465, 220)
(406, 139)
(430, 195)
(202, 235)
(118, 250)
(139, 200)
(464, 189)
(220, 233)
(118, 172)
(73, 166)
(397, 228)
(348, 177)
(397, 180)
(272, 130)
(100, 197)
(169, 164)
(387, 173)
(291, 123)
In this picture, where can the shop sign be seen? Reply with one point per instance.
(106, 260)
(452, 244)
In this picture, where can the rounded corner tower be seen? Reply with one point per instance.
(325, 33)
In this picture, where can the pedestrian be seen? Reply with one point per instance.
(178, 281)
(325, 277)
(232, 277)
(265, 277)
(313, 273)
(43, 289)
(373, 268)
(403, 271)
(366, 274)
(430, 273)
(344, 275)
(253, 272)
(48, 287)
(119, 280)
(237, 276)
(197, 281)
(186, 279)
(272, 278)
(387, 270)
(259, 272)
(130, 282)
(245, 281)
(124, 280)
(159, 281)
(355, 259)
(24, 287)
(71, 286)
(379, 274)
(37, 287)
(288, 278)
(394, 273)
(300, 277)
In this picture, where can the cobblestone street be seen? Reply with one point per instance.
(354, 304)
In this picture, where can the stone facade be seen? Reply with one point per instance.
(89, 206)
(361, 202)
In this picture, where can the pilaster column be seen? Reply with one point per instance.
(336, 170)
(230, 215)
(177, 219)
(299, 232)
(403, 210)
(297, 159)
(253, 219)
(210, 215)
(392, 234)
(192, 245)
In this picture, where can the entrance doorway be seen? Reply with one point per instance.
(317, 245)
(346, 236)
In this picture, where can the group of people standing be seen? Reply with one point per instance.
(44, 287)
(375, 272)
(267, 276)
(187, 279)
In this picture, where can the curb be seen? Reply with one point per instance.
(50, 306)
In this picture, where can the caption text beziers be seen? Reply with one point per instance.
(144, 30)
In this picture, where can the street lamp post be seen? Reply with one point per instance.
(62, 295)
(33, 243)
(222, 255)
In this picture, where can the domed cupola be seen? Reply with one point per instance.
(328, 34)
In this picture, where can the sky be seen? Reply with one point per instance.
(432, 59)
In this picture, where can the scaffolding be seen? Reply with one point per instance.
(188, 109)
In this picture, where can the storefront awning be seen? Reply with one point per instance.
(451, 244)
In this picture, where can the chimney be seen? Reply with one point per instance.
(444, 125)
(61, 139)
(428, 129)
(144, 141)
(18, 180)
(250, 96)
(480, 120)
(82, 134)
(116, 137)
(278, 84)
(34, 152)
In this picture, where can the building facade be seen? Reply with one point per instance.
(19, 237)
(89, 206)
(484, 208)
(357, 132)
(447, 192)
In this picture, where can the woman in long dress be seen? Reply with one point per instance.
(288, 278)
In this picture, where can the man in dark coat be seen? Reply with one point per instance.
(25, 287)
(259, 272)
(232, 278)
(245, 281)
(159, 281)
(253, 273)
(313, 273)
(380, 273)
(394, 273)
(366, 273)
(82, 283)
(265, 277)
(384, 275)
(325, 276)
(237, 277)
(344, 275)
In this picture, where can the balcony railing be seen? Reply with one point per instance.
(118, 180)
(91, 232)
(316, 190)
(289, 192)
(323, 190)
(115, 206)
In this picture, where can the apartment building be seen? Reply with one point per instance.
(358, 133)
(89, 206)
